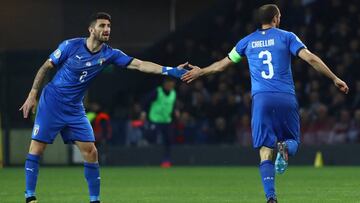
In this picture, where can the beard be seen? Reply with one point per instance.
(101, 38)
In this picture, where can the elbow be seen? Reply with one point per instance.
(139, 66)
(312, 59)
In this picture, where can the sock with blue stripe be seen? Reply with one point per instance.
(267, 172)
(92, 175)
(292, 146)
(31, 174)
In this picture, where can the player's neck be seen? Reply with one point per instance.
(93, 45)
(267, 26)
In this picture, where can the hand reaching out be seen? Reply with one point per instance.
(192, 74)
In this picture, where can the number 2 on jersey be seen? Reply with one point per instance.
(82, 76)
(268, 62)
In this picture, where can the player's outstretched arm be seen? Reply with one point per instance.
(321, 67)
(30, 102)
(150, 67)
(196, 71)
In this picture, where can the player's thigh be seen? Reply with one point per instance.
(289, 121)
(48, 122)
(263, 133)
(78, 129)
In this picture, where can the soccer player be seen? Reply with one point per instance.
(275, 116)
(60, 108)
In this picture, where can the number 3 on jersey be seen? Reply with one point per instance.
(268, 62)
(82, 76)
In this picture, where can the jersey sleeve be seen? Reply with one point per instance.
(119, 58)
(61, 53)
(295, 44)
(238, 51)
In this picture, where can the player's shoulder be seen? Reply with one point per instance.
(283, 32)
(74, 41)
(108, 48)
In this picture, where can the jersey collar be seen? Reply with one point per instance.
(260, 29)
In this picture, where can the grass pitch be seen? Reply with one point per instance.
(185, 185)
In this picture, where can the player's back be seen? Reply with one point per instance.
(269, 56)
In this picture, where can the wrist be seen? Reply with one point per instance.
(203, 71)
(166, 70)
(173, 71)
(33, 93)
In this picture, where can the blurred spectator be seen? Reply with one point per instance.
(243, 131)
(356, 101)
(135, 126)
(161, 103)
(322, 125)
(354, 130)
(341, 128)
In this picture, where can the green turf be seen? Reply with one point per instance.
(186, 184)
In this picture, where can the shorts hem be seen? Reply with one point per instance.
(42, 141)
(73, 141)
(258, 147)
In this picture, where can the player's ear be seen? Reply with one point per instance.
(275, 19)
(91, 29)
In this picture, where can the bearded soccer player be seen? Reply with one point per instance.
(60, 108)
(275, 116)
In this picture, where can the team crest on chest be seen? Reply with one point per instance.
(101, 61)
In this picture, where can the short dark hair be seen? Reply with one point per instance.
(267, 12)
(99, 15)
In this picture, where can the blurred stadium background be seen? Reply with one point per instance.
(212, 126)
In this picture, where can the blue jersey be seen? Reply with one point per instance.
(269, 56)
(77, 66)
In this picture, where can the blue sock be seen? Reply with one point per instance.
(267, 172)
(292, 146)
(92, 175)
(31, 174)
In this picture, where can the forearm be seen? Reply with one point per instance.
(216, 67)
(150, 67)
(213, 68)
(321, 67)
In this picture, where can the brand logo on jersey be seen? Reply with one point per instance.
(101, 61)
(88, 63)
(79, 57)
(57, 53)
(36, 129)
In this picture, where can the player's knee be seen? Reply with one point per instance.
(90, 153)
(37, 148)
(266, 154)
